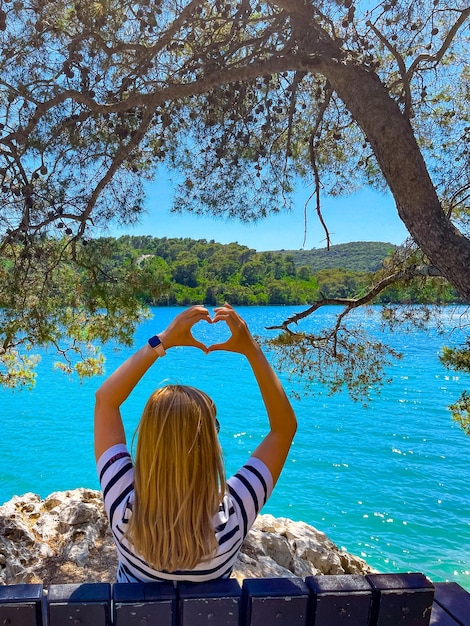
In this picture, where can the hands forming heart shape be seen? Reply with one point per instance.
(215, 333)
(179, 331)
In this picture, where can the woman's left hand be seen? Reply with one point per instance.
(178, 332)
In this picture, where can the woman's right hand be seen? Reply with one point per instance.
(275, 446)
(178, 332)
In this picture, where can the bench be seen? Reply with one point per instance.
(343, 600)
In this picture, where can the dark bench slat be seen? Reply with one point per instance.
(144, 603)
(455, 600)
(21, 605)
(342, 600)
(352, 600)
(280, 601)
(401, 599)
(440, 617)
(216, 602)
(89, 603)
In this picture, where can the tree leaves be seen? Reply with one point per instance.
(67, 296)
(242, 100)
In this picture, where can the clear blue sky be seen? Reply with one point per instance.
(364, 216)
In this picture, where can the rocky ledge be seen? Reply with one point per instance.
(65, 538)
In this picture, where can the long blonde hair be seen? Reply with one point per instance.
(179, 479)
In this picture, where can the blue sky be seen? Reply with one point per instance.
(364, 216)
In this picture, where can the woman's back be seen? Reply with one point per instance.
(247, 492)
(179, 479)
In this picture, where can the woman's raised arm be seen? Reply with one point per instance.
(275, 446)
(109, 429)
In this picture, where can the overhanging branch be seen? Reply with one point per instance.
(353, 303)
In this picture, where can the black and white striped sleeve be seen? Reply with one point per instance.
(116, 475)
(250, 488)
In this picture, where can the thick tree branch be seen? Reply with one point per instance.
(405, 79)
(354, 303)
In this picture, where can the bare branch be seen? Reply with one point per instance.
(455, 201)
(119, 159)
(436, 58)
(313, 163)
(298, 76)
(353, 303)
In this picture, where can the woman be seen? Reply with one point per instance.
(172, 513)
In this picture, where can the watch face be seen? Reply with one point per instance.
(154, 341)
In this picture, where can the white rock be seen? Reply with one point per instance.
(66, 538)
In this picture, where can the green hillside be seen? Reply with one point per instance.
(183, 271)
(358, 256)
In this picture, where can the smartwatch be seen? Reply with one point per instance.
(156, 344)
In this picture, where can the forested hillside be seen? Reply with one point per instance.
(170, 271)
(200, 271)
(358, 256)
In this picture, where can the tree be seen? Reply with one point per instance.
(305, 272)
(51, 295)
(252, 272)
(223, 265)
(241, 98)
(185, 269)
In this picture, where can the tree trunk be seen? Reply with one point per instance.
(399, 156)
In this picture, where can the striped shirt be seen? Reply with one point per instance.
(247, 492)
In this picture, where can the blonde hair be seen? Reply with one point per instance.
(179, 479)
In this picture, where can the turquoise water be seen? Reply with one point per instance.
(389, 482)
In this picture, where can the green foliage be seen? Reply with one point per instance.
(72, 297)
(194, 272)
(77, 296)
(17, 370)
(340, 283)
(461, 412)
(420, 290)
(348, 270)
(96, 94)
(357, 256)
(182, 271)
(457, 358)
(343, 360)
(343, 356)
